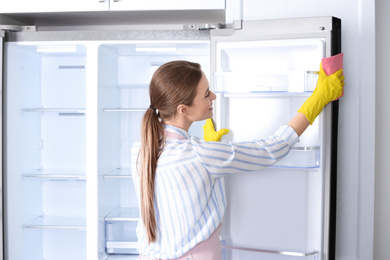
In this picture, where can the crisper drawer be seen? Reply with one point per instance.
(121, 231)
(121, 237)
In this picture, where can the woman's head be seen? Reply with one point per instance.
(172, 84)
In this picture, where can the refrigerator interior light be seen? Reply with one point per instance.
(56, 48)
(156, 49)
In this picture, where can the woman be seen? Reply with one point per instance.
(179, 184)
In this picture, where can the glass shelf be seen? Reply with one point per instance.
(124, 214)
(124, 109)
(61, 111)
(299, 81)
(70, 175)
(267, 94)
(120, 173)
(301, 157)
(121, 257)
(57, 222)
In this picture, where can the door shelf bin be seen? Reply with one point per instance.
(273, 82)
(121, 234)
(301, 157)
(233, 252)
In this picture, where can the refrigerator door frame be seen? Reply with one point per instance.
(328, 28)
(324, 27)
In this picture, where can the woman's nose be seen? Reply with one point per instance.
(212, 95)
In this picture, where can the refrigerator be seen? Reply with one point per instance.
(72, 106)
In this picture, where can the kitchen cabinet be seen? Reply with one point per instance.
(46, 6)
(129, 5)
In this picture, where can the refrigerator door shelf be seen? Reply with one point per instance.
(71, 175)
(298, 81)
(301, 157)
(251, 253)
(57, 222)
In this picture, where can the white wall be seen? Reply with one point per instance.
(382, 176)
(356, 151)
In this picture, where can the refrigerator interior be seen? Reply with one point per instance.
(277, 212)
(124, 73)
(45, 196)
(259, 85)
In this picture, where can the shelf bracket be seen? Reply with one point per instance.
(236, 25)
(18, 28)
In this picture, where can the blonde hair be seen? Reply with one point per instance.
(172, 84)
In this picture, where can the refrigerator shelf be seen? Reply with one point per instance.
(298, 81)
(120, 173)
(124, 109)
(57, 222)
(123, 214)
(122, 257)
(61, 111)
(275, 94)
(71, 175)
(267, 251)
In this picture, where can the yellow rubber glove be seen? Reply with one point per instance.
(328, 88)
(209, 133)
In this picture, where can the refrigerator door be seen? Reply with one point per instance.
(262, 73)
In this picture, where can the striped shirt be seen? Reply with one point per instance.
(190, 199)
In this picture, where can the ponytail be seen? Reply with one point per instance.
(172, 84)
(151, 146)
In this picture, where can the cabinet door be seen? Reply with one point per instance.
(127, 5)
(42, 6)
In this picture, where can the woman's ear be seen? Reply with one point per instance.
(182, 109)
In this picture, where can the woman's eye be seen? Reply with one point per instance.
(208, 94)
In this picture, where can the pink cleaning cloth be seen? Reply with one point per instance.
(332, 64)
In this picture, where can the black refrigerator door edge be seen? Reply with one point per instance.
(335, 49)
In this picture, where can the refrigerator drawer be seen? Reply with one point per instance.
(121, 230)
(121, 237)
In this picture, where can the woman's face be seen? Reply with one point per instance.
(202, 107)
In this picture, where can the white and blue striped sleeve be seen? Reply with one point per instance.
(222, 158)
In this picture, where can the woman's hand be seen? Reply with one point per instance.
(328, 88)
(209, 133)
